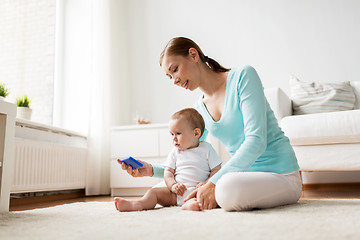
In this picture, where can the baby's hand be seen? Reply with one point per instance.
(200, 184)
(178, 189)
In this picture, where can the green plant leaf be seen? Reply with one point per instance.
(23, 101)
(4, 92)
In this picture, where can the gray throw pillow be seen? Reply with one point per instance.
(314, 97)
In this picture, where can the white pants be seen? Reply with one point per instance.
(247, 190)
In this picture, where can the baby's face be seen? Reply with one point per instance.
(183, 136)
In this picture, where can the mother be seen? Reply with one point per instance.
(262, 171)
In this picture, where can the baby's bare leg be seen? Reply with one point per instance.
(162, 196)
(192, 204)
(154, 196)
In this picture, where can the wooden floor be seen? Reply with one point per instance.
(315, 191)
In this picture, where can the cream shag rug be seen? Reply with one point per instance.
(308, 219)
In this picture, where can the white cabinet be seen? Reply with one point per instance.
(151, 143)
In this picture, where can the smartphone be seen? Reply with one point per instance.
(132, 162)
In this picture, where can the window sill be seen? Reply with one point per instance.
(40, 132)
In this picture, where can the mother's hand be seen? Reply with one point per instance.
(145, 171)
(205, 195)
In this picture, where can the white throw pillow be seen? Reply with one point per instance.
(313, 97)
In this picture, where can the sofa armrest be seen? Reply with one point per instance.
(279, 102)
(356, 87)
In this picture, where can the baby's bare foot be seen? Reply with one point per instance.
(192, 205)
(124, 205)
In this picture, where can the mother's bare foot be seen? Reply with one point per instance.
(192, 205)
(124, 205)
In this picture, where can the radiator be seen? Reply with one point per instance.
(47, 166)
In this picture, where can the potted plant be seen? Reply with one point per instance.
(23, 108)
(3, 91)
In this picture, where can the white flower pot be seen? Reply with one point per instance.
(2, 98)
(24, 113)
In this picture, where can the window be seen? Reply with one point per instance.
(27, 53)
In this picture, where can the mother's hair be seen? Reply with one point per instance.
(180, 46)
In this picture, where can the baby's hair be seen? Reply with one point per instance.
(192, 116)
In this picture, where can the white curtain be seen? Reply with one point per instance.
(98, 169)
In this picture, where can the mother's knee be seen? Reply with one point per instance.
(229, 192)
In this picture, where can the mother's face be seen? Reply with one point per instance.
(182, 70)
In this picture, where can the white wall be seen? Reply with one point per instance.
(314, 40)
(119, 73)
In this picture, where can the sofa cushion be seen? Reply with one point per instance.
(323, 128)
(279, 102)
(328, 157)
(313, 97)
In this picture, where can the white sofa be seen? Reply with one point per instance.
(322, 141)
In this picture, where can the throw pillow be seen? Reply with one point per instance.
(312, 97)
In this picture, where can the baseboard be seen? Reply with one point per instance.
(32, 198)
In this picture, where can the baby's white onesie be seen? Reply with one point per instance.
(192, 166)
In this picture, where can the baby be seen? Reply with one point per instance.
(189, 165)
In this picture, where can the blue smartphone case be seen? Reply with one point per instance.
(132, 162)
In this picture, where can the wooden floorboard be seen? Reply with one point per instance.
(331, 190)
(310, 191)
